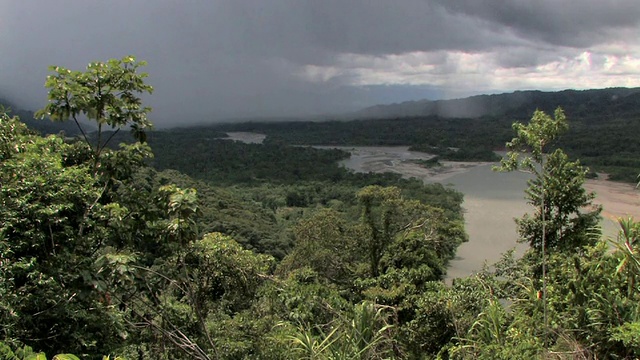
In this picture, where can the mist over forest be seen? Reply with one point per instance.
(211, 62)
(319, 180)
(119, 239)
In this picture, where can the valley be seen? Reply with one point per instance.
(492, 200)
(274, 227)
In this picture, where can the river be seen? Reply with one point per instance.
(492, 200)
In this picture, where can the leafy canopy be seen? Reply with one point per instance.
(107, 93)
(527, 148)
(556, 191)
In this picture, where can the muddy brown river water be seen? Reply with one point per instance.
(492, 200)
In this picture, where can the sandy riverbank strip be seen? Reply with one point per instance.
(440, 173)
(245, 137)
(400, 160)
(617, 199)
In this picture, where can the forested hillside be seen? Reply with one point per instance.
(519, 104)
(224, 250)
(602, 134)
(604, 124)
(42, 127)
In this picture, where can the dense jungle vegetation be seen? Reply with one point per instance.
(604, 124)
(270, 251)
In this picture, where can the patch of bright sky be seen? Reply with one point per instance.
(603, 66)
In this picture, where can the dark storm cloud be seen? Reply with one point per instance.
(384, 27)
(206, 59)
(523, 57)
(561, 22)
(245, 58)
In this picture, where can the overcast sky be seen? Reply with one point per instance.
(218, 59)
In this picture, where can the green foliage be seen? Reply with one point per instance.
(307, 347)
(380, 207)
(255, 217)
(27, 353)
(628, 245)
(432, 318)
(569, 214)
(44, 204)
(407, 225)
(23, 353)
(587, 304)
(221, 271)
(327, 244)
(107, 93)
(556, 190)
(628, 335)
(487, 336)
(74, 228)
(304, 298)
(532, 139)
(232, 162)
(198, 296)
(366, 334)
(414, 242)
(261, 216)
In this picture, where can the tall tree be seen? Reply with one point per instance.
(77, 221)
(325, 242)
(107, 93)
(556, 191)
(389, 221)
(564, 210)
(569, 215)
(380, 206)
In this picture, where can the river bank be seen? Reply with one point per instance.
(492, 200)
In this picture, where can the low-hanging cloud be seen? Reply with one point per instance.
(222, 59)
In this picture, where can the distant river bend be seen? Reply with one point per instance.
(491, 200)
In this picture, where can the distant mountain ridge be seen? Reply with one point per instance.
(517, 104)
(44, 126)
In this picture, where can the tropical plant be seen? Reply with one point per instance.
(556, 190)
(27, 353)
(628, 245)
(569, 220)
(107, 93)
(367, 335)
